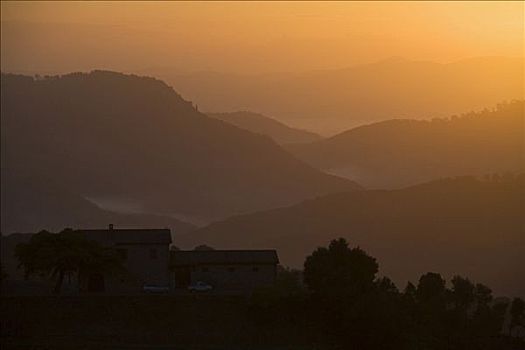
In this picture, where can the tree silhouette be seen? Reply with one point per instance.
(67, 252)
(339, 269)
(517, 313)
(482, 294)
(431, 288)
(462, 293)
(351, 309)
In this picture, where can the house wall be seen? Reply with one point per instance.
(145, 264)
(235, 277)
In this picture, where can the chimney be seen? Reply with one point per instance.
(110, 227)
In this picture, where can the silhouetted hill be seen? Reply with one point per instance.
(331, 101)
(258, 123)
(106, 134)
(455, 226)
(397, 153)
(31, 204)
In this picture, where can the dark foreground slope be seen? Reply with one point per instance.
(456, 226)
(398, 153)
(258, 123)
(106, 134)
(143, 322)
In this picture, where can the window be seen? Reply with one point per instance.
(255, 269)
(153, 253)
(123, 253)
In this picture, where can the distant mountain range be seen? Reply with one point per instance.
(396, 153)
(106, 134)
(30, 204)
(258, 123)
(452, 226)
(331, 101)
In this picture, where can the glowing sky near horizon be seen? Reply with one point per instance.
(251, 37)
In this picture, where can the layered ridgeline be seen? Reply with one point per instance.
(455, 226)
(130, 138)
(261, 124)
(397, 153)
(32, 204)
(333, 100)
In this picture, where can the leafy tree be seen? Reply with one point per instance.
(339, 269)
(482, 294)
(67, 252)
(462, 293)
(431, 288)
(410, 291)
(385, 285)
(431, 313)
(517, 313)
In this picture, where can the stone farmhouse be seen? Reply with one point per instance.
(145, 253)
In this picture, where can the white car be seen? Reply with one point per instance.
(200, 287)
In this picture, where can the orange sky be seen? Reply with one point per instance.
(251, 37)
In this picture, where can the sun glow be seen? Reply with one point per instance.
(252, 37)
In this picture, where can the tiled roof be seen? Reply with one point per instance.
(129, 236)
(227, 257)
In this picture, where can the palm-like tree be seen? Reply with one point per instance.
(57, 255)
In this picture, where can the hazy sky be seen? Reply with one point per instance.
(251, 37)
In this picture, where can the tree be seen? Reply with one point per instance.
(410, 291)
(67, 252)
(288, 281)
(482, 295)
(462, 293)
(517, 313)
(431, 288)
(339, 269)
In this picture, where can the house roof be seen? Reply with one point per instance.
(128, 236)
(223, 257)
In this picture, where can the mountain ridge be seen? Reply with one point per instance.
(111, 134)
(261, 124)
(402, 152)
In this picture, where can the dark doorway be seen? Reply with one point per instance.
(95, 283)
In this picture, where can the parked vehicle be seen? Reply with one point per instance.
(200, 287)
